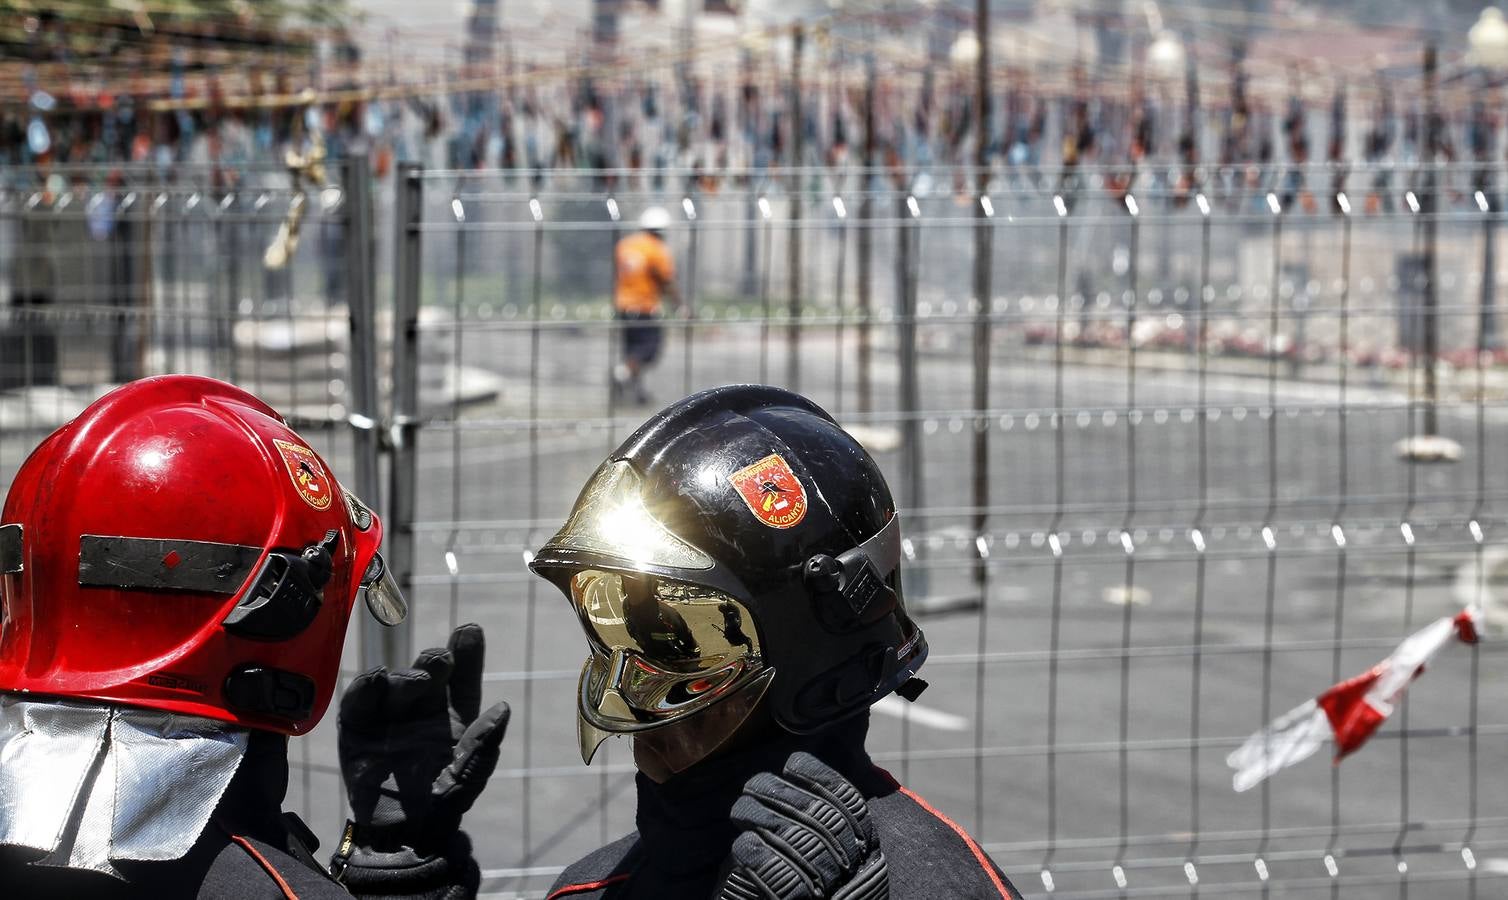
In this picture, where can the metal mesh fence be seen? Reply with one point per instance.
(117, 273)
(1151, 486)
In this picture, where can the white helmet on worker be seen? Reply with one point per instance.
(654, 219)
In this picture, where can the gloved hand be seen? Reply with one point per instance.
(415, 753)
(807, 834)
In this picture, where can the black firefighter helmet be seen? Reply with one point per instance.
(740, 546)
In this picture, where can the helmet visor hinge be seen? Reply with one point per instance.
(321, 558)
(858, 575)
(852, 577)
(286, 594)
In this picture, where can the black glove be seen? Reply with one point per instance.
(415, 753)
(807, 834)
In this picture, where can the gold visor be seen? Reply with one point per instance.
(661, 650)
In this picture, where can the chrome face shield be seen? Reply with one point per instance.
(661, 651)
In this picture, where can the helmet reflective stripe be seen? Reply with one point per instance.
(152, 564)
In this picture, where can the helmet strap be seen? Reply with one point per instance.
(912, 688)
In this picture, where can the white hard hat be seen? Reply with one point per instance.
(654, 219)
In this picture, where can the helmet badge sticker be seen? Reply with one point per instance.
(772, 491)
(308, 474)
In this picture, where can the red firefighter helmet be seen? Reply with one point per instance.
(179, 547)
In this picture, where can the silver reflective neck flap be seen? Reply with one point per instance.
(92, 785)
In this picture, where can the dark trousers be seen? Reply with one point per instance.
(28, 344)
(642, 337)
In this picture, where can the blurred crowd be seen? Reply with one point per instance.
(893, 91)
(751, 117)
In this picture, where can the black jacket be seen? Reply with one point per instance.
(684, 835)
(248, 851)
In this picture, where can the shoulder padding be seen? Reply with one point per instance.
(599, 869)
(926, 849)
(250, 869)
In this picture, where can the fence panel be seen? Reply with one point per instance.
(1194, 514)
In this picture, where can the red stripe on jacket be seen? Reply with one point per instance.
(588, 886)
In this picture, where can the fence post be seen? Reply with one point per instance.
(1487, 327)
(909, 398)
(397, 642)
(865, 237)
(1430, 208)
(793, 247)
(688, 296)
(363, 414)
(984, 234)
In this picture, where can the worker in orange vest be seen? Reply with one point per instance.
(645, 278)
